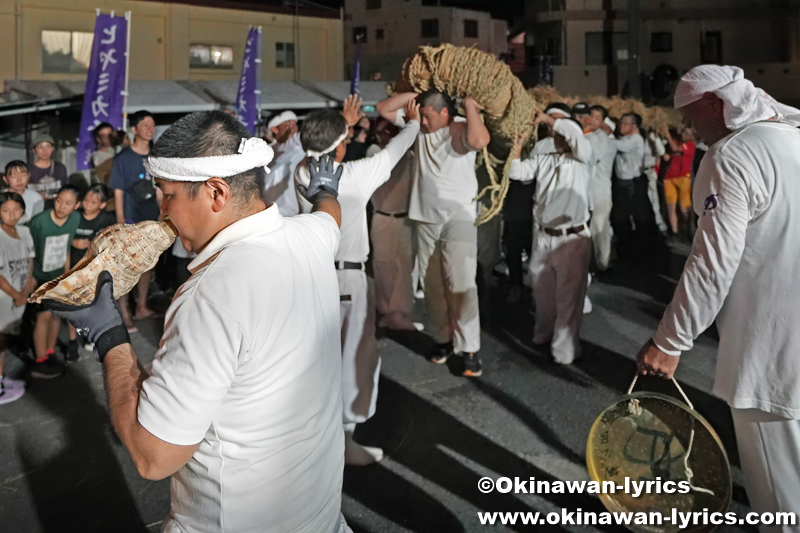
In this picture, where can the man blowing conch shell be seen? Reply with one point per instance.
(243, 405)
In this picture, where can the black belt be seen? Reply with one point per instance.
(564, 231)
(347, 265)
(393, 215)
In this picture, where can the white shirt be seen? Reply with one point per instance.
(359, 181)
(249, 366)
(34, 204)
(629, 161)
(14, 257)
(561, 197)
(544, 146)
(653, 149)
(444, 180)
(605, 168)
(744, 269)
(279, 185)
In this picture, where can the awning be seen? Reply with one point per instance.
(167, 96)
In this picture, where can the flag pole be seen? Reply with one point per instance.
(127, 69)
(258, 79)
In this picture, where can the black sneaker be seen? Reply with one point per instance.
(47, 369)
(472, 365)
(442, 353)
(72, 351)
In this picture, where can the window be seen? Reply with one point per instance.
(210, 56)
(471, 29)
(359, 34)
(379, 34)
(66, 52)
(661, 41)
(284, 55)
(606, 48)
(711, 47)
(430, 2)
(430, 28)
(373, 4)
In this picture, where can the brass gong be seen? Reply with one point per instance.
(645, 436)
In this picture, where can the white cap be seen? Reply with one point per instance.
(610, 123)
(277, 120)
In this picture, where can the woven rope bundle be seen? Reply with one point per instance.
(462, 72)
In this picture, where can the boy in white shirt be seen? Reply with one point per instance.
(16, 178)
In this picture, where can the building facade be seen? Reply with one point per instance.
(586, 41)
(392, 30)
(50, 40)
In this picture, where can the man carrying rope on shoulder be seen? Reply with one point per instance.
(744, 272)
(443, 205)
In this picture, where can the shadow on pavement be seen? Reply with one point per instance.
(82, 488)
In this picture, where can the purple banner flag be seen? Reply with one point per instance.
(248, 100)
(103, 99)
(355, 79)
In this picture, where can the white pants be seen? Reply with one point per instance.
(600, 225)
(652, 194)
(559, 270)
(394, 252)
(448, 262)
(361, 365)
(769, 450)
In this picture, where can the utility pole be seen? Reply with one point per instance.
(634, 25)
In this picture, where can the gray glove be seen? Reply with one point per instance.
(323, 178)
(101, 319)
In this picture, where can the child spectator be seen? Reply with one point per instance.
(47, 176)
(53, 230)
(16, 282)
(16, 178)
(94, 218)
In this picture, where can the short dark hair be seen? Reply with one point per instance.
(321, 128)
(603, 111)
(139, 116)
(100, 190)
(581, 108)
(102, 126)
(10, 196)
(635, 117)
(560, 106)
(212, 133)
(16, 165)
(71, 188)
(438, 101)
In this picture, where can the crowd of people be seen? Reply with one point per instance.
(299, 346)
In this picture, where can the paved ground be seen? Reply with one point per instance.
(62, 468)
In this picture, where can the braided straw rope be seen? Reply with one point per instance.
(463, 72)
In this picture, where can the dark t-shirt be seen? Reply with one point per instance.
(88, 229)
(48, 180)
(52, 244)
(127, 170)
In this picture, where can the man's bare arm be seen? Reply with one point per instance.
(327, 203)
(119, 205)
(154, 458)
(388, 108)
(477, 135)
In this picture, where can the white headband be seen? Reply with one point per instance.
(331, 148)
(610, 123)
(558, 111)
(253, 153)
(277, 120)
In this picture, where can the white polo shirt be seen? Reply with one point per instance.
(279, 186)
(249, 366)
(629, 162)
(444, 180)
(360, 179)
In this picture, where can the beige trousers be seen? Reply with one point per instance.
(394, 252)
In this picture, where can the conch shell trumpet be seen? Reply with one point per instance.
(126, 250)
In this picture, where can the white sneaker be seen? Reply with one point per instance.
(587, 305)
(419, 294)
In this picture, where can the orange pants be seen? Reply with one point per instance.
(679, 191)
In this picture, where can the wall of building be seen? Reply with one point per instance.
(401, 22)
(161, 34)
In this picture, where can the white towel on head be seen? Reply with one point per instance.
(252, 153)
(744, 103)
